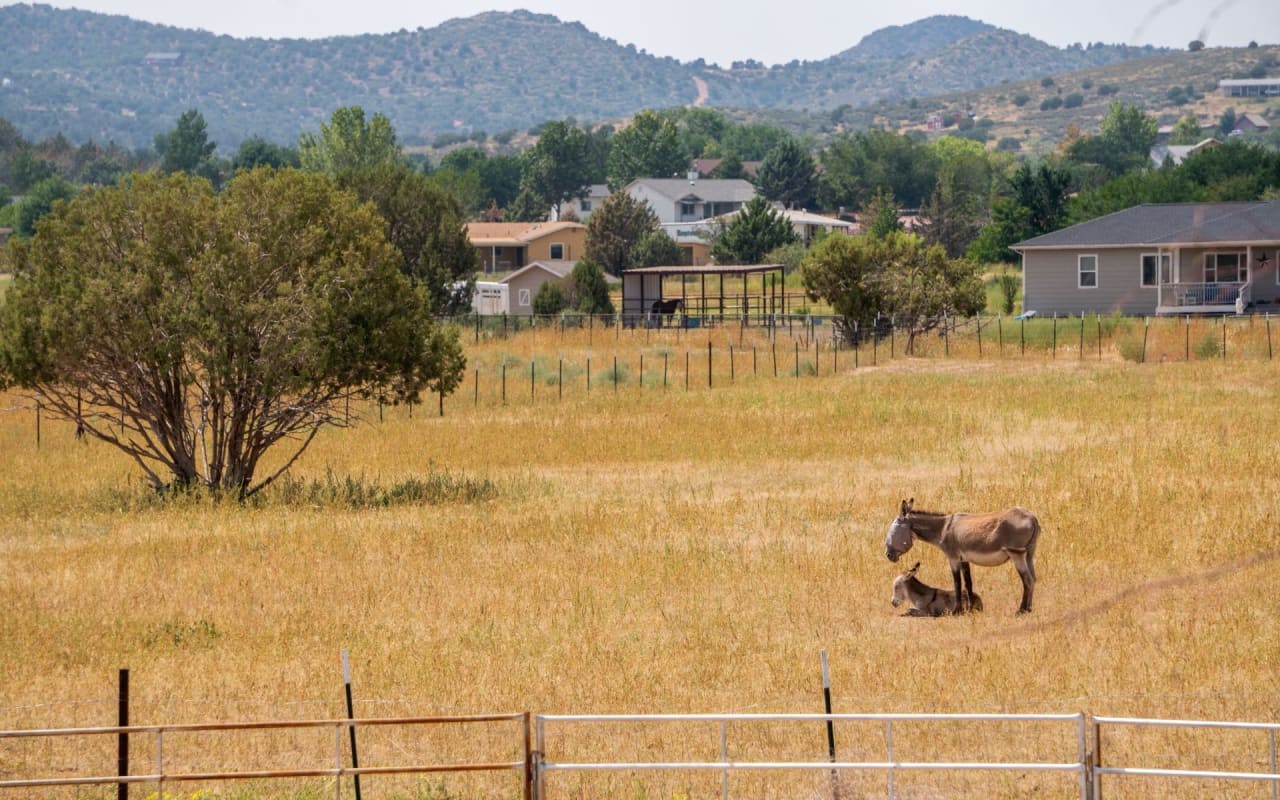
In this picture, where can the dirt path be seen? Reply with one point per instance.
(703, 92)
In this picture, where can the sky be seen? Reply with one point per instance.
(723, 31)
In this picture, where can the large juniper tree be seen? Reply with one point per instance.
(195, 331)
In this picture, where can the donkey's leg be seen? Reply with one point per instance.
(956, 569)
(1027, 573)
(968, 584)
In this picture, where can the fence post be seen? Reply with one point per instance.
(1000, 333)
(831, 729)
(1146, 326)
(888, 741)
(1098, 319)
(1268, 318)
(1224, 338)
(1186, 339)
(946, 340)
(731, 370)
(527, 788)
(1022, 331)
(708, 363)
(1096, 761)
(979, 335)
(797, 344)
(560, 380)
(531, 372)
(1081, 335)
(122, 740)
(1055, 335)
(346, 680)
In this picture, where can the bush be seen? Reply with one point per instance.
(1073, 100)
(1051, 103)
(1209, 346)
(1105, 89)
(1021, 99)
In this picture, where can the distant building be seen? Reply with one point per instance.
(705, 166)
(1250, 121)
(506, 246)
(580, 208)
(1250, 87)
(1177, 153)
(162, 59)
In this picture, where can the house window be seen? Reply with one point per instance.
(1152, 275)
(687, 209)
(557, 252)
(1088, 272)
(1225, 268)
(524, 298)
(585, 205)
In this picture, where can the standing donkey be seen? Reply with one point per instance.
(987, 540)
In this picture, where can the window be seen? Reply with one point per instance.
(524, 298)
(1151, 276)
(687, 209)
(1225, 268)
(1088, 272)
(557, 252)
(585, 205)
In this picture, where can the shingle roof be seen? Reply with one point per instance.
(1170, 224)
(734, 190)
(513, 233)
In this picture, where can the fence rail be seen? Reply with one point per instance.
(160, 776)
(1089, 737)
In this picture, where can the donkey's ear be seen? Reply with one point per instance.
(913, 569)
(903, 509)
(911, 504)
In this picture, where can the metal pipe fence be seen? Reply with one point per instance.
(1099, 769)
(724, 764)
(162, 772)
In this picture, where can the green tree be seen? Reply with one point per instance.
(788, 175)
(647, 148)
(1124, 142)
(258, 152)
(755, 230)
(1043, 190)
(40, 200)
(898, 275)
(187, 148)
(730, 167)
(556, 168)
(856, 166)
(655, 248)
(349, 142)
(550, 299)
(883, 214)
(426, 225)
(528, 206)
(1010, 223)
(195, 331)
(1186, 131)
(591, 288)
(614, 228)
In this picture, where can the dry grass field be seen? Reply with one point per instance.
(647, 550)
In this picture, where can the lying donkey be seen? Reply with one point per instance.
(925, 600)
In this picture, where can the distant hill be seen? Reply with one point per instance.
(89, 76)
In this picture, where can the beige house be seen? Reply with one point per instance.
(506, 246)
(524, 283)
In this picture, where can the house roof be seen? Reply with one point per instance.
(1179, 152)
(1170, 224)
(514, 234)
(707, 190)
(1256, 120)
(557, 269)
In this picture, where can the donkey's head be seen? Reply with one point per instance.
(900, 586)
(900, 538)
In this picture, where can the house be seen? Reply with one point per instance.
(691, 199)
(523, 284)
(1250, 87)
(705, 166)
(580, 208)
(1177, 153)
(506, 246)
(1179, 258)
(1250, 121)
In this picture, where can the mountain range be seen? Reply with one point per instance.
(100, 77)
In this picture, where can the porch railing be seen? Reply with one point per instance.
(1181, 295)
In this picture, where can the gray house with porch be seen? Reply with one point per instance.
(1179, 258)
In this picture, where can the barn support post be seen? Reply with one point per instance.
(122, 740)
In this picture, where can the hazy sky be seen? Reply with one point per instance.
(721, 31)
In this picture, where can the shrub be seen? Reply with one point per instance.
(1073, 100)
(1021, 99)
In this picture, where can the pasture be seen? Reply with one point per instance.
(635, 549)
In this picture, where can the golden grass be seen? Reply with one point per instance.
(664, 551)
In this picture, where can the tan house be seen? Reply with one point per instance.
(524, 283)
(507, 246)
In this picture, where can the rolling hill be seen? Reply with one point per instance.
(94, 76)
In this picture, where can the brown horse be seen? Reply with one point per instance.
(925, 600)
(667, 306)
(987, 540)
